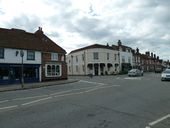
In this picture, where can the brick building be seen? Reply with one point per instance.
(42, 59)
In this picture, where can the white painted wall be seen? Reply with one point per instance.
(73, 65)
(11, 57)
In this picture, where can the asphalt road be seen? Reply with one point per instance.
(100, 102)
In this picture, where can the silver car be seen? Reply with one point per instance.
(165, 75)
(135, 72)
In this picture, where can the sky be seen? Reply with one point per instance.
(73, 24)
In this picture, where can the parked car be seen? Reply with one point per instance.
(158, 70)
(135, 72)
(165, 75)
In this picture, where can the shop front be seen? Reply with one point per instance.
(12, 73)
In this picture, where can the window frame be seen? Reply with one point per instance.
(54, 56)
(53, 70)
(30, 55)
(2, 52)
(95, 55)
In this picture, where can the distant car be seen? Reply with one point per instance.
(135, 72)
(158, 70)
(165, 75)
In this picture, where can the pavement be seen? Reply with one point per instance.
(14, 87)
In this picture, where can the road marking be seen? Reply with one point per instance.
(8, 107)
(26, 98)
(3, 101)
(132, 78)
(59, 92)
(91, 82)
(93, 89)
(157, 121)
(35, 101)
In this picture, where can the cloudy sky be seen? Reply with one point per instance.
(74, 24)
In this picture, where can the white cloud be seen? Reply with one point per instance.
(74, 23)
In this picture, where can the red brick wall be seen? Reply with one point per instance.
(46, 59)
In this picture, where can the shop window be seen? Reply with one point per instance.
(4, 73)
(30, 55)
(53, 70)
(1, 53)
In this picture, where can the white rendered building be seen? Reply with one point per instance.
(94, 59)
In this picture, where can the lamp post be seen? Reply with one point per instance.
(22, 69)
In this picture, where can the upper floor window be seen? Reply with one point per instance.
(54, 56)
(129, 59)
(115, 56)
(1, 53)
(30, 55)
(108, 56)
(83, 56)
(95, 55)
(123, 59)
(76, 58)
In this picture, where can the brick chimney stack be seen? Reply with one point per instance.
(119, 43)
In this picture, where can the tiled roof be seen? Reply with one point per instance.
(95, 46)
(20, 39)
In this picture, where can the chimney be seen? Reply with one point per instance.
(40, 28)
(147, 53)
(154, 56)
(137, 50)
(39, 32)
(151, 54)
(157, 57)
(119, 43)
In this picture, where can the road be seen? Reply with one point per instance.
(98, 102)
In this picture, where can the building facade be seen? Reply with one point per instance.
(94, 59)
(125, 57)
(31, 56)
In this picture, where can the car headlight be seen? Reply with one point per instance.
(163, 75)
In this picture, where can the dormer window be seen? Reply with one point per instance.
(1, 53)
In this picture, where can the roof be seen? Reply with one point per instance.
(95, 46)
(20, 39)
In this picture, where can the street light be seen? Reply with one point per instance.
(22, 69)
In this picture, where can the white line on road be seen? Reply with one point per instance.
(132, 78)
(35, 101)
(8, 107)
(91, 82)
(157, 121)
(93, 89)
(3, 101)
(56, 93)
(31, 97)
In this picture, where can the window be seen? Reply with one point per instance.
(83, 67)
(129, 59)
(83, 56)
(77, 69)
(53, 70)
(76, 58)
(54, 56)
(115, 57)
(30, 55)
(1, 53)
(95, 55)
(108, 56)
(123, 59)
